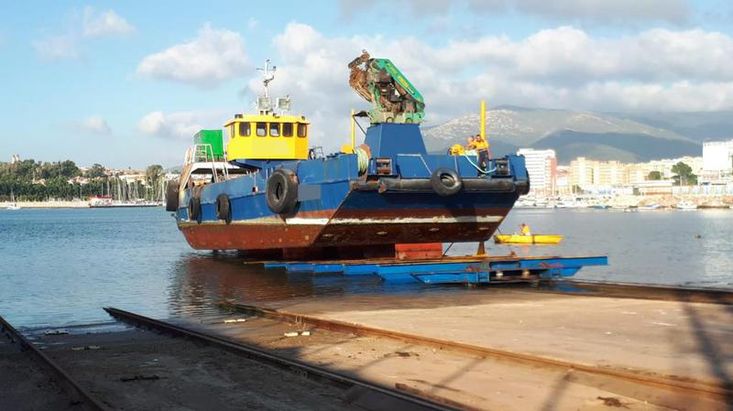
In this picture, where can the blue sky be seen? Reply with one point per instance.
(126, 83)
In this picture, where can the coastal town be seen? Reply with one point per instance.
(689, 182)
(26, 183)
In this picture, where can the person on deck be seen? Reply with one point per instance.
(524, 229)
(470, 146)
(482, 147)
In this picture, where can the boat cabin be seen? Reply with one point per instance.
(267, 136)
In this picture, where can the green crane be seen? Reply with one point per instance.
(380, 82)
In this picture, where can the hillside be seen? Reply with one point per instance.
(698, 126)
(615, 146)
(570, 133)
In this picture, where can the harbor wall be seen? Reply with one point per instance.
(48, 204)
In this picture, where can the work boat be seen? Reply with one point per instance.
(268, 194)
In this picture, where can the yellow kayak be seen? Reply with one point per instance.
(527, 239)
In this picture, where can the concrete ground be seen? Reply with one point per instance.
(142, 370)
(667, 338)
(670, 338)
(26, 385)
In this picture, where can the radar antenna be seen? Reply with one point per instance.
(264, 104)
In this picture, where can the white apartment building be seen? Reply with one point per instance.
(603, 176)
(542, 169)
(717, 156)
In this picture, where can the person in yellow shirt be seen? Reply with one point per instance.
(524, 229)
(482, 147)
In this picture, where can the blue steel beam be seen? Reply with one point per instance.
(443, 272)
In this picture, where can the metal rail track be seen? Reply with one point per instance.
(696, 388)
(358, 392)
(641, 291)
(77, 392)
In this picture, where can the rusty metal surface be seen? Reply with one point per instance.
(254, 237)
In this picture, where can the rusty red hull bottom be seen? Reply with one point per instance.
(342, 241)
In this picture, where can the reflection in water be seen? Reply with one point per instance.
(199, 282)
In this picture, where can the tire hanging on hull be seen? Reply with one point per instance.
(171, 195)
(194, 205)
(224, 208)
(446, 182)
(282, 191)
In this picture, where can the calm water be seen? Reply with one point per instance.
(59, 267)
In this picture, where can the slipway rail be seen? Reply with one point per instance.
(626, 381)
(79, 395)
(357, 392)
(642, 291)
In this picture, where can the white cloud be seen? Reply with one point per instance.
(106, 23)
(213, 57)
(181, 124)
(610, 12)
(59, 47)
(603, 11)
(91, 24)
(564, 67)
(95, 125)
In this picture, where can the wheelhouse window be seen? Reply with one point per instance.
(274, 130)
(261, 129)
(302, 130)
(287, 129)
(245, 129)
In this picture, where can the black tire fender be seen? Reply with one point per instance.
(224, 208)
(171, 195)
(282, 191)
(194, 208)
(446, 182)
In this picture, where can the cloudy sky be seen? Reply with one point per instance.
(127, 84)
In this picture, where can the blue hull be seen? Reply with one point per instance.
(340, 206)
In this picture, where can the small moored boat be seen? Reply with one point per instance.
(528, 239)
(686, 205)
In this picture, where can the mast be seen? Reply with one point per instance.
(264, 104)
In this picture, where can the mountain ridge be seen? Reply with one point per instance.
(610, 136)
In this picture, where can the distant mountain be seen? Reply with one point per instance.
(698, 126)
(625, 147)
(570, 133)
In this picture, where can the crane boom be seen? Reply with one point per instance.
(394, 98)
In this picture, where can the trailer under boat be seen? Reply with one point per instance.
(450, 269)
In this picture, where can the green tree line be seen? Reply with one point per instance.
(30, 180)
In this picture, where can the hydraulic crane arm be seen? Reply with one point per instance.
(381, 83)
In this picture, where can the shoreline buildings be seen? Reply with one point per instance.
(714, 170)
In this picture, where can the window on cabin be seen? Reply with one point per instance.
(245, 129)
(287, 129)
(230, 132)
(261, 129)
(274, 130)
(302, 130)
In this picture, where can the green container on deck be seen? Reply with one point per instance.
(213, 137)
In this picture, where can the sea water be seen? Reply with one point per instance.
(60, 267)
